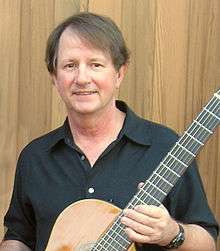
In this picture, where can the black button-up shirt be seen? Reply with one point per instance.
(52, 172)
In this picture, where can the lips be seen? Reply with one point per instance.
(84, 93)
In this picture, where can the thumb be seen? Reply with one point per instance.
(140, 185)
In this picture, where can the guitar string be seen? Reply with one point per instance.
(178, 149)
(198, 127)
(187, 140)
(143, 201)
(212, 103)
(157, 189)
(115, 243)
(140, 200)
(209, 116)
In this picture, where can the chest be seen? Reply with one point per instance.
(64, 177)
(92, 150)
(57, 180)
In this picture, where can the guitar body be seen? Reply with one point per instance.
(80, 225)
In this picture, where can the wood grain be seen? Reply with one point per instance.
(174, 70)
(89, 220)
(9, 85)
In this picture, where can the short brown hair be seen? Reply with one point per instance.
(99, 31)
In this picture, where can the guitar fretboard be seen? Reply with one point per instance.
(165, 176)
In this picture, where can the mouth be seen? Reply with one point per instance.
(84, 93)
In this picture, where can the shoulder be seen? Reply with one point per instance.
(146, 131)
(43, 143)
(156, 133)
(161, 133)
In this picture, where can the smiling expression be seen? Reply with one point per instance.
(85, 78)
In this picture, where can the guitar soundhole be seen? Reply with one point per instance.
(85, 247)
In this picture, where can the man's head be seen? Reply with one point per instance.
(97, 31)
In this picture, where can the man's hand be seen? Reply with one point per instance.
(150, 224)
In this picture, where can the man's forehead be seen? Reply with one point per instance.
(78, 37)
(70, 38)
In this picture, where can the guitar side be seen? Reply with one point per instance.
(81, 224)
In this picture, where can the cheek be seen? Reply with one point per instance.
(107, 82)
(65, 81)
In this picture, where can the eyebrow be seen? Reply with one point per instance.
(98, 59)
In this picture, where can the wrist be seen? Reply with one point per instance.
(178, 240)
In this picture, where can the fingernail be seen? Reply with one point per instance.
(125, 211)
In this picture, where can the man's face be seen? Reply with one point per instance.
(86, 78)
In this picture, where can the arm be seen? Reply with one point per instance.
(197, 238)
(154, 225)
(14, 245)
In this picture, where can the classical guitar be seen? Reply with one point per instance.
(95, 225)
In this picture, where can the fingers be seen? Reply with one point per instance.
(140, 224)
(146, 224)
(149, 224)
(136, 225)
(139, 238)
(133, 217)
(138, 228)
(150, 210)
(140, 185)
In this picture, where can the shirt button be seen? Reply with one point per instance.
(91, 190)
(83, 157)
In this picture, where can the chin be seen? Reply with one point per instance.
(86, 110)
(89, 108)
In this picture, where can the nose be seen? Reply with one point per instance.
(82, 75)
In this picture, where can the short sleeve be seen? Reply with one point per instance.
(19, 219)
(187, 202)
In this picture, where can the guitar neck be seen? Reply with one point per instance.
(175, 163)
(165, 176)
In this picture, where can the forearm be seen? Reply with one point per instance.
(14, 245)
(197, 239)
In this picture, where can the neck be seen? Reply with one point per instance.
(98, 126)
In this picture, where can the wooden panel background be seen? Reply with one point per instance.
(174, 70)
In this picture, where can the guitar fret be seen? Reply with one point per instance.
(103, 247)
(115, 233)
(171, 170)
(138, 199)
(187, 150)
(217, 95)
(174, 157)
(213, 114)
(100, 246)
(152, 184)
(107, 243)
(161, 177)
(116, 229)
(118, 226)
(143, 202)
(205, 128)
(115, 240)
(198, 141)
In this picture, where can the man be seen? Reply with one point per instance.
(102, 151)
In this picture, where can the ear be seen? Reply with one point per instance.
(54, 79)
(121, 74)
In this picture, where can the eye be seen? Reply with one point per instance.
(97, 65)
(70, 66)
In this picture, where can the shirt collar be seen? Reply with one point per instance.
(135, 128)
(58, 135)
